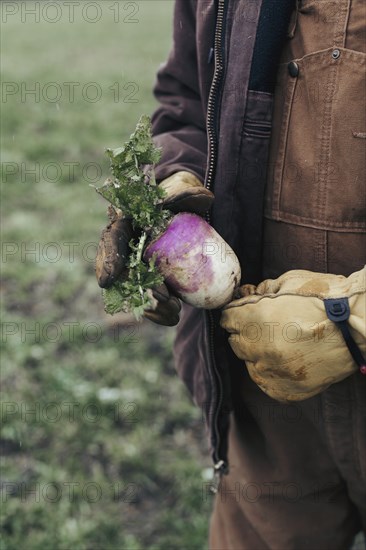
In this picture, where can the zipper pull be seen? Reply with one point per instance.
(210, 56)
(218, 470)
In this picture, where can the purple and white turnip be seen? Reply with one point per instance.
(196, 263)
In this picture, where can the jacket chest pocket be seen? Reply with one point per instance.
(317, 167)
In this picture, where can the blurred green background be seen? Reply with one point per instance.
(101, 445)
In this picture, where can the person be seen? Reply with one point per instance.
(262, 123)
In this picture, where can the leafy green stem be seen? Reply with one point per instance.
(133, 190)
(140, 250)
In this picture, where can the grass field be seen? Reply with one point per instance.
(101, 445)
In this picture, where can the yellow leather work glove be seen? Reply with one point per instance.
(281, 330)
(184, 193)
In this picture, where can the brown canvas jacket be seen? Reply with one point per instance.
(210, 124)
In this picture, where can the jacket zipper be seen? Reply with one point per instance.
(212, 100)
(220, 466)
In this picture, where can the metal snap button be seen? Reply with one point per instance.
(293, 69)
(336, 54)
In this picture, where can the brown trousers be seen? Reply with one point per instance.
(297, 475)
(298, 472)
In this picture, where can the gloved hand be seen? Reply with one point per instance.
(184, 193)
(282, 332)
